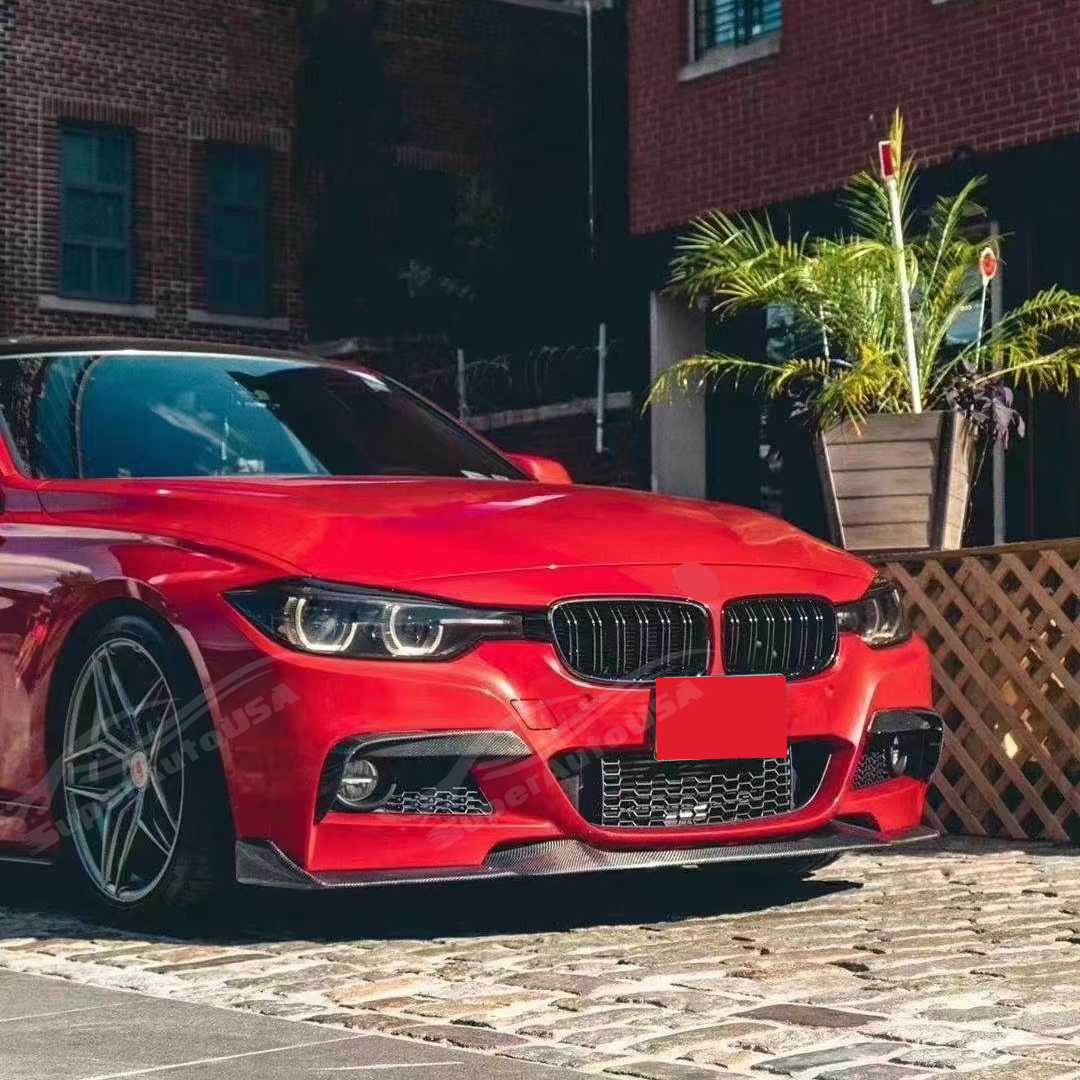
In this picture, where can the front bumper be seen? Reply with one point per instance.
(280, 723)
(262, 863)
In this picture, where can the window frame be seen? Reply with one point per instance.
(97, 187)
(720, 54)
(260, 262)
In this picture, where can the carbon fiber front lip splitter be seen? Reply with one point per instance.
(263, 863)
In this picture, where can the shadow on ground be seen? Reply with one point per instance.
(32, 897)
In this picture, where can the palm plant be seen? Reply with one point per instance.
(845, 302)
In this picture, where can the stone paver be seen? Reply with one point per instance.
(957, 960)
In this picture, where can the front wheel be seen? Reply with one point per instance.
(140, 802)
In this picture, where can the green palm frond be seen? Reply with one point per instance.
(813, 369)
(1058, 370)
(697, 373)
(733, 260)
(944, 237)
(846, 307)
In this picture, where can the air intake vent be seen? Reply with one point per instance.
(432, 786)
(465, 799)
(626, 641)
(795, 637)
(633, 790)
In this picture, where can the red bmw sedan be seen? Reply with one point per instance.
(274, 620)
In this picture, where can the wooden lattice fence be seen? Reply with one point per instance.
(1002, 626)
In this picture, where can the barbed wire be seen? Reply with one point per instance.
(520, 379)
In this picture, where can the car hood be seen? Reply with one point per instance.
(418, 533)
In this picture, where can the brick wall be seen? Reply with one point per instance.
(978, 74)
(482, 81)
(179, 76)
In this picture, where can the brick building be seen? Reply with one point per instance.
(146, 174)
(496, 89)
(751, 104)
(489, 92)
(415, 103)
(152, 181)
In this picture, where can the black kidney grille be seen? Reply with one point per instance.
(793, 636)
(632, 640)
(641, 793)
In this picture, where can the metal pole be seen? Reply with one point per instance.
(982, 321)
(590, 113)
(998, 461)
(601, 386)
(999, 490)
(998, 450)
(905, 292)
(462, 403)
(590, 108)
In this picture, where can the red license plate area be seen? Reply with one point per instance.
(723, 717)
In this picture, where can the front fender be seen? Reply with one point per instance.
(52, 578)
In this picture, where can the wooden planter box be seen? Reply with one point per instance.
(898, 482)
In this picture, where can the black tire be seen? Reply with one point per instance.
(200, 863)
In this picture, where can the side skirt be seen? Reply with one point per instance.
(26, 860)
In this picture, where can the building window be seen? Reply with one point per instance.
(733, 23)
(96, 180)
(237, 277)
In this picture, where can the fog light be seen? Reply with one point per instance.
(898, 756)
(359, 781)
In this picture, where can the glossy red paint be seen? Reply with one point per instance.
(543, 470)
(176, 546)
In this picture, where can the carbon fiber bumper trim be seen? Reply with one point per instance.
(435, 744)
(261, 862)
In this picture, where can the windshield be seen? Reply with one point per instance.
(182, 415)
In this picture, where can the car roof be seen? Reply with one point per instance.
(44, 346)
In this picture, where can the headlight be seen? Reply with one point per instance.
(878, 618)
(335, 620)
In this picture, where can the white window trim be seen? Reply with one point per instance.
(96, 307)
(562, 7)
(241, 322)
(724, 57)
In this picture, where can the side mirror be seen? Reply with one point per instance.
(541, 469)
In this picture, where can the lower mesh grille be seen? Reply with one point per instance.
(433, 786)
(633, 790)
(456, 801)
(637, 792)
(875, 766)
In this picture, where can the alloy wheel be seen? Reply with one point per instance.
(123, 772)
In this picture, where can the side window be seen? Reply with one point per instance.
(96, 238)
(237, 241)
(733, 23)
(38, 396)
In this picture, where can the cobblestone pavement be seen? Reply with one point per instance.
(962, 956)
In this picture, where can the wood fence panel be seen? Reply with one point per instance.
(1002, 627)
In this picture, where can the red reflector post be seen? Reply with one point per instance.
(888, 159)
